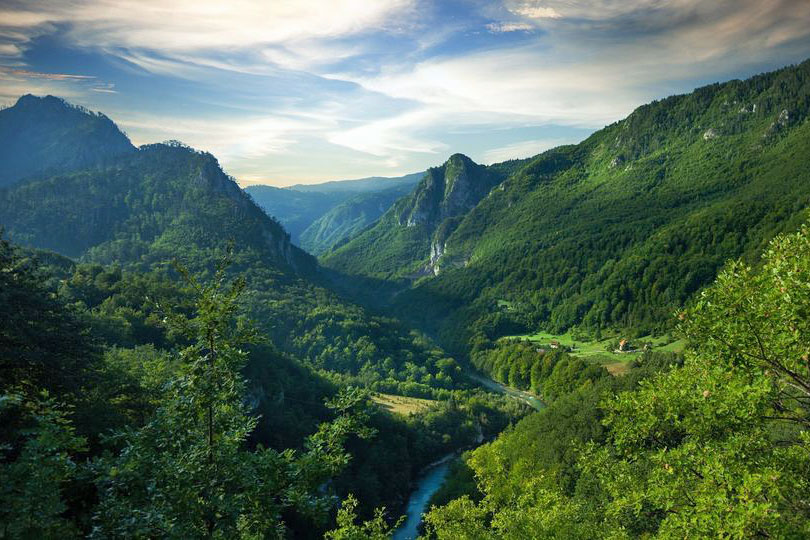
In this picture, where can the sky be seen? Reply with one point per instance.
(286, 92)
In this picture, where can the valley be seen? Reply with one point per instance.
(610, 335)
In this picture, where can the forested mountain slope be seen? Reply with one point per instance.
(623, 228)
(409, 239)
(168, 201)
(349, 218)
(710, 445)
(49, 135)
(150, 205)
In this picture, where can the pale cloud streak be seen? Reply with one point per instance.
(245, 139)
(583, 74)
(188, 25)
(24, 73)
(389, 83)
(510, 27)
(391, 136)
(15, 82)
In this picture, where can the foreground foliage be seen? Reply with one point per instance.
(718, 447)
(127, 353)
(188, 472)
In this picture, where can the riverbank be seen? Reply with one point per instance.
(432, 476)
(430, 481)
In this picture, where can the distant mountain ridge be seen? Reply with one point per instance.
(48, 135)
(295, 210)
(372, 183)
(349, 218)
(299, 208)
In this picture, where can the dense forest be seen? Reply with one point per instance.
(713, 448)
(93, 356)
(615, 232)
(174, 365)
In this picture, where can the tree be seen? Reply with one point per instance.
(189, 473)
(35, 464)
(718, 448)
(43, 345)
(347, 529)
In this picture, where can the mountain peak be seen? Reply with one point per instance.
(418, 225)
(47, 134)
(447, 191)
(31, 99)
(48, 104)
(459, 158)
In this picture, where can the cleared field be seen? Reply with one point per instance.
(675, 346)
(618, 368)
(597, 351)
(401, 404)
(581, 348)
(586, 348)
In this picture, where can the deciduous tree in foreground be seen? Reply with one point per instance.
(717, 448)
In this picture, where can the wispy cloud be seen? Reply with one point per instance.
(15, 81)
(285, 89)
(536, 11)
(510, 27)
(108, 88)
(9, 50)
(246, 138)
(187, 25)
(391, 136)
(25, 73)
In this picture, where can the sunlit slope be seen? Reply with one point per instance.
(623, 228)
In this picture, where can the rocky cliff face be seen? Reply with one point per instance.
(411, 239)
(444, 195)
(446, 192)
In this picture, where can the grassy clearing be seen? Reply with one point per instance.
(597, 351)
(580, 348)
(401, 404)
(618, 368)
(505, 304)
(675, 346)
